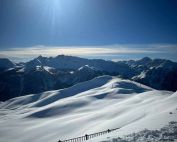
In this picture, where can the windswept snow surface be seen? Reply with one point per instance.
(168, 133)
(102, 103)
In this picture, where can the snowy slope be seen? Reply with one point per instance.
(168, 133)
(24, 81)
(52, 73)
(102, 103)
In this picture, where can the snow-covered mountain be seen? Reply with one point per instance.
(22, 81)
(158, 73)
(5, 64)
(50, 73)
(102, 103)
(63, 62)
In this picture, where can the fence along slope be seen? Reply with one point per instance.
(86, 136)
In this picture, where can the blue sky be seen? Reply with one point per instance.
(148, 25)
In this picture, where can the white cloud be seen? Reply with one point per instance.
(109, 50)
(86, 50)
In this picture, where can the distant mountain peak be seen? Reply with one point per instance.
(39, 57)
(64, 56)
(6, 63)
(146, 59)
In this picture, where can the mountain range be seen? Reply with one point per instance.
(52, 73)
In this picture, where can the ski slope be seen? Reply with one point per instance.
(99, 104)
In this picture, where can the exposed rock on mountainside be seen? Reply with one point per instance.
(43, 73)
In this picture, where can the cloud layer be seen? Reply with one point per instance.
(91, 51)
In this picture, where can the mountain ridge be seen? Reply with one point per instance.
(102, 103)
(50, 73)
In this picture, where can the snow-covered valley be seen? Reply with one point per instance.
(102, 103)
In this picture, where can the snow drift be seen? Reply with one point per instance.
(102, 103)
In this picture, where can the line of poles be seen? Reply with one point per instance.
(86, 137)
